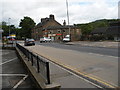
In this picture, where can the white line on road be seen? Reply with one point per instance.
(22, 80)
(77, 75)
(104, 55)
(13, 75)
(8, 61)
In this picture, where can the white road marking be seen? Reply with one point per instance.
(13, 75)
(104, 55)
(8, 61)
(76, 75)
(22, 80)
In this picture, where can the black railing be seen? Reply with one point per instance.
(38, 62)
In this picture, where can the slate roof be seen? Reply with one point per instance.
(60, 27)
(45, 22)
(99, 30)
(115, 30)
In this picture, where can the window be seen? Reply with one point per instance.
(59, 31)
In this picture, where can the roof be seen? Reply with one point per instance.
(99, 30)
(59, 27)
(54, 27)
(44, 21)
(113, 30)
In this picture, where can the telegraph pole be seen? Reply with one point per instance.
(67, 11)
(68, 18)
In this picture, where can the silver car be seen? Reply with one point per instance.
(45, 39)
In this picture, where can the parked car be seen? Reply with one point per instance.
(66, 38)
(29, 42)
(45, 39)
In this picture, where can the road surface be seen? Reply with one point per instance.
(88, 49)
(104, 68)
(13, 73)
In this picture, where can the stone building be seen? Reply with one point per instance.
(49, 27)
(1, 31)
(112, 32)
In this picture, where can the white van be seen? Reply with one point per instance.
(66, 38)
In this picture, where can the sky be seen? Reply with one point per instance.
(80, 11)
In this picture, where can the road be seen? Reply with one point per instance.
(13, 74)
(100, 66)
(88, 49)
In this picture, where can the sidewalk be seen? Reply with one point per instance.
(96, 44)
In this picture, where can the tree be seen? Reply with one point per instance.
(26, 25)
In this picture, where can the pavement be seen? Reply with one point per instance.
(67, 79)
(110, 44)
(101, 68)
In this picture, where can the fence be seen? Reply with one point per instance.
(38, 62)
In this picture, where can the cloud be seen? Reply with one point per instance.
(80, 11)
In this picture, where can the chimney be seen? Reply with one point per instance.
(42, 19)
(51, 17)
(64, 23)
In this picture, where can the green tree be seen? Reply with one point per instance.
(26, 25)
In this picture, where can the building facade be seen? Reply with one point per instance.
(110, 33)
(49, 27)
(1, 31)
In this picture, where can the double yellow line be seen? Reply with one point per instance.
(102, 83)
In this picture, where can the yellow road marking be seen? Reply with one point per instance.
(75, 70)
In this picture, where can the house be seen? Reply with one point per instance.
(49, 27)
(1, 31)
(111, 32)
(114, 30)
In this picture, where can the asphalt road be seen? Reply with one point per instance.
(13, 73)
(88, 49)
(101, 63)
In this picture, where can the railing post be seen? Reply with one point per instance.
(38, 67)
(32, 58)
(48, 72)
(28, 55)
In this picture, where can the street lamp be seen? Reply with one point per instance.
(9, 25)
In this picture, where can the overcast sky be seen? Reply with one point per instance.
(80, 11)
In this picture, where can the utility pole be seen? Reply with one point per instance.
(68, 18)
(67, 11)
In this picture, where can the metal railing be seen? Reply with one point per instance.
(38, 62)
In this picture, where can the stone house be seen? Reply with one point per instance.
(113, 31)
(1, 31)
(49, 27)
